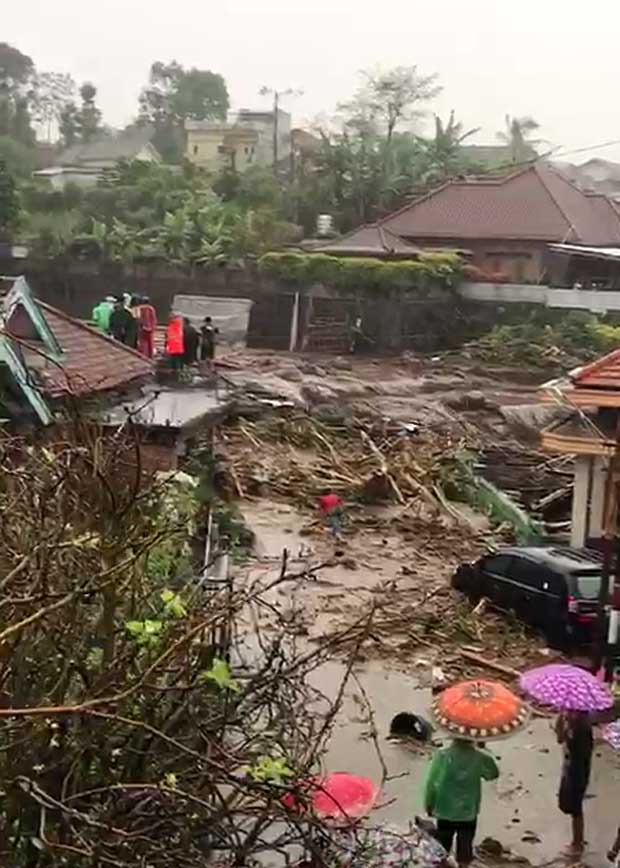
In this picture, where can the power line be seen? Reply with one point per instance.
(607, 144)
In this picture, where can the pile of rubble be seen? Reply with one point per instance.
(408, 621)
(298, 458)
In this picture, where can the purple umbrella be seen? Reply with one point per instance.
(565, 688)
(611, 734)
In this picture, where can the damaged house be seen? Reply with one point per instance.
(51, 360)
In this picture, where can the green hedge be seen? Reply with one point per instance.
(430, 270)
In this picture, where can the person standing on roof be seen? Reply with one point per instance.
(121, 322)
(131, 332)
(102, 312)
(147, 323)
(191, 339)
(174, 347)
(208, 337)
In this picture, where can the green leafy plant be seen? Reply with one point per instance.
(147, 633)
(441, 269)
(269, 770)
(220, 675)
(174, 606)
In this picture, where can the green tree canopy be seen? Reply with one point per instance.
(16, 90)
(9, 203)
(89, 116)
(174, 94)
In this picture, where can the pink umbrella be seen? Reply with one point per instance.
(338, 796)
(565, 688)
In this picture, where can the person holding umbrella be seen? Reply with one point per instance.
(453, 794)
(574, 732)
(582, 701)
(472, 711)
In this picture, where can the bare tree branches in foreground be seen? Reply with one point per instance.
(128, 738)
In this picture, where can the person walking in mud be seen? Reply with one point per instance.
(574, 732)
(331, 508)
(453, 793)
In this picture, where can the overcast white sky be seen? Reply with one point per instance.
(548, 58)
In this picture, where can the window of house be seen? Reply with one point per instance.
(513, 263)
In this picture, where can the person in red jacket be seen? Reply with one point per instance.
(331, 507)
(147, 323)
(175, 347)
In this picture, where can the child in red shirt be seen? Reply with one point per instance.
(331, 506)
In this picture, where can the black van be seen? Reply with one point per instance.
(555, 589)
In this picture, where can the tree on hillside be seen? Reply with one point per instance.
(174, 94)
(16, 71)
(68, 124)
(517, 137)
(89, 116)
(385, 100)
(9, 203)
(53, 92)
(390, 97)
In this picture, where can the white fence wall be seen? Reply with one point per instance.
(593, 300)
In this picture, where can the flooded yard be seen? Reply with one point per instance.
(520, 809)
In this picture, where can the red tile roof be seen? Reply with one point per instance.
(92, 362)
(535, 203)
(374, 239)
(603, 373)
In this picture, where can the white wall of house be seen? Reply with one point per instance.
(588, 512)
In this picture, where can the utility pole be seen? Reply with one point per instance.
(277, 95)
(276, 108)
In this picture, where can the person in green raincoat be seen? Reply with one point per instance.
(102, 312)
(453, 793)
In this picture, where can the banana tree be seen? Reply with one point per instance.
(174, 236)
(125, 242)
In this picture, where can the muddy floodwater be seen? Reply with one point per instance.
(520, 809)
(520, 805)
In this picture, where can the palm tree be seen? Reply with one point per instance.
(517, 137)
(443, 152)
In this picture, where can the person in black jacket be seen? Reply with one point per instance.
(574, 733)
(121, 322)
(191, 339)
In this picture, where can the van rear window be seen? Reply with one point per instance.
(587, 585)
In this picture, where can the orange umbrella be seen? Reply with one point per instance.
(479, 710)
